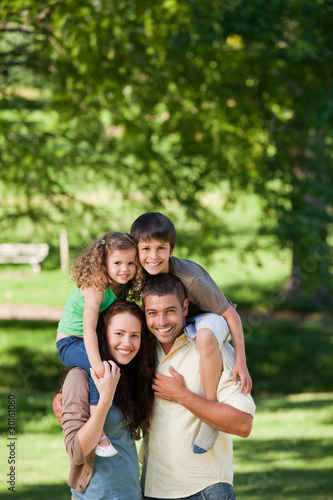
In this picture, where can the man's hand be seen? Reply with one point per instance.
(57, 407)
(171, 388)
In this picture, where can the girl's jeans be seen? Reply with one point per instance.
(72, 352)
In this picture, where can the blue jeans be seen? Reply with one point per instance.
(219, 491)
(72, 352)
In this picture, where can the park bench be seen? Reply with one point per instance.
(24, 253)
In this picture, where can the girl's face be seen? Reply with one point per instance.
(124, 337)
(121, 266)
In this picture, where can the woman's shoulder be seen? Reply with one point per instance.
(77, 380)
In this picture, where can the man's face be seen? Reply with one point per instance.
(165, 317)
(154, 256)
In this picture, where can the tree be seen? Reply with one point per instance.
(169, 99)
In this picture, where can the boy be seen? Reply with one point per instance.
(156, 237)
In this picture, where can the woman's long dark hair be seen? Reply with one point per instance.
(134, 395)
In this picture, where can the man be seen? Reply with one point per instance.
(170, 468)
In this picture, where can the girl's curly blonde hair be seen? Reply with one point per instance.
(90, 266)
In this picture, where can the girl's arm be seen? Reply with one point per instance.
(92, 302)
(90, 433)
(236, 330)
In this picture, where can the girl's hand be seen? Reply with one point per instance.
(107, 385)
(99, 368)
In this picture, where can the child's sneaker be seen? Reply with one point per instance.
(105, 451)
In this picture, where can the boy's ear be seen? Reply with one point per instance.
(171, 253)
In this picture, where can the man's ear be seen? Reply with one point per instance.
(185, 307)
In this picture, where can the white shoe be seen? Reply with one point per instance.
(105, 451)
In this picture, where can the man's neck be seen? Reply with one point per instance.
(167, 347)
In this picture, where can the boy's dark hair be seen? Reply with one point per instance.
(164, 284)
(154, 226)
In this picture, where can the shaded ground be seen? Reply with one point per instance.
(30, 312)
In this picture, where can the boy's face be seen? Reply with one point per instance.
(154, 256)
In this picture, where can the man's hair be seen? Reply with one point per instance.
(154, 226)
(164, 284)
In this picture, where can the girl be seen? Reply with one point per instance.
(114, 256)
(124, 409)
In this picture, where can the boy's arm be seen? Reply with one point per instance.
(236, 330)
(92, 302)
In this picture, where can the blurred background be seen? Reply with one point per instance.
(218, 114)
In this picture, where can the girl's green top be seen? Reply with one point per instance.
(71, 322)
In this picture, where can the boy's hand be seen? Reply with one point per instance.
(240, 372)
(101, 283)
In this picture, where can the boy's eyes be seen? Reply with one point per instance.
(146, 249)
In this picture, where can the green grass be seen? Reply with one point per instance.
(288, 455)
(19, 285)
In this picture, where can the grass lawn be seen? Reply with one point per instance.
(288, 455)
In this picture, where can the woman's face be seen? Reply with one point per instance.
(124, 337)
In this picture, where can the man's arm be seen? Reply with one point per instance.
(221, 416)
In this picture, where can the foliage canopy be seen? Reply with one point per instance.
(169, 99)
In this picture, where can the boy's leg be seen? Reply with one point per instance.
(209, 331)
(210, 372)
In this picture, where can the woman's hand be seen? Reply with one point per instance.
(107, 384)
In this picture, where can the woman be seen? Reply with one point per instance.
(124, 409)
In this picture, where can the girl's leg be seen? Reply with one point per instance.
(210, 332)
